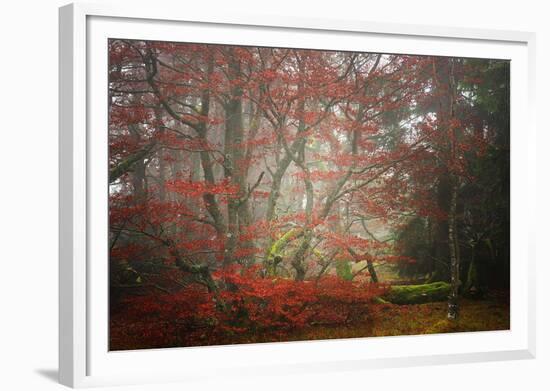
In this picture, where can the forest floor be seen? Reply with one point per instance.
(391, 320)
(489, 314)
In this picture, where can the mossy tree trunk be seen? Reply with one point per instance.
(417, 294)
(274, 252)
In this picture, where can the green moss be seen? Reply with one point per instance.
(343, 270)
(279, 245)
(275, 252)
(418, 294)
(379, 300)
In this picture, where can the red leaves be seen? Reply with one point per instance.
(123, 116)
(198, 189)
(159, 320)
(310, 117)
(252, 304)
(243, 54)
(268, 75)
(289, 304)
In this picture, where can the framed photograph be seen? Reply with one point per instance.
(276, 194)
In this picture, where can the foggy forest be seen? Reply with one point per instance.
(262, 194)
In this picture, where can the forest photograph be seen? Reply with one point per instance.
(262, 194)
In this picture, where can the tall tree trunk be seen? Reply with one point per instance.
(440, 247)
(298, 260)
(206, 162)
(234, 156)
(160, 157)
(244, 212)
(138, 170)
(454, 250)
(473, 284)
(453, 309)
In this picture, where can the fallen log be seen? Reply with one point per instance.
(417, 294)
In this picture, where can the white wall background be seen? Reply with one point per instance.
(28, 194)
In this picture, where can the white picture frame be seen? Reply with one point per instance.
(84, 360)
